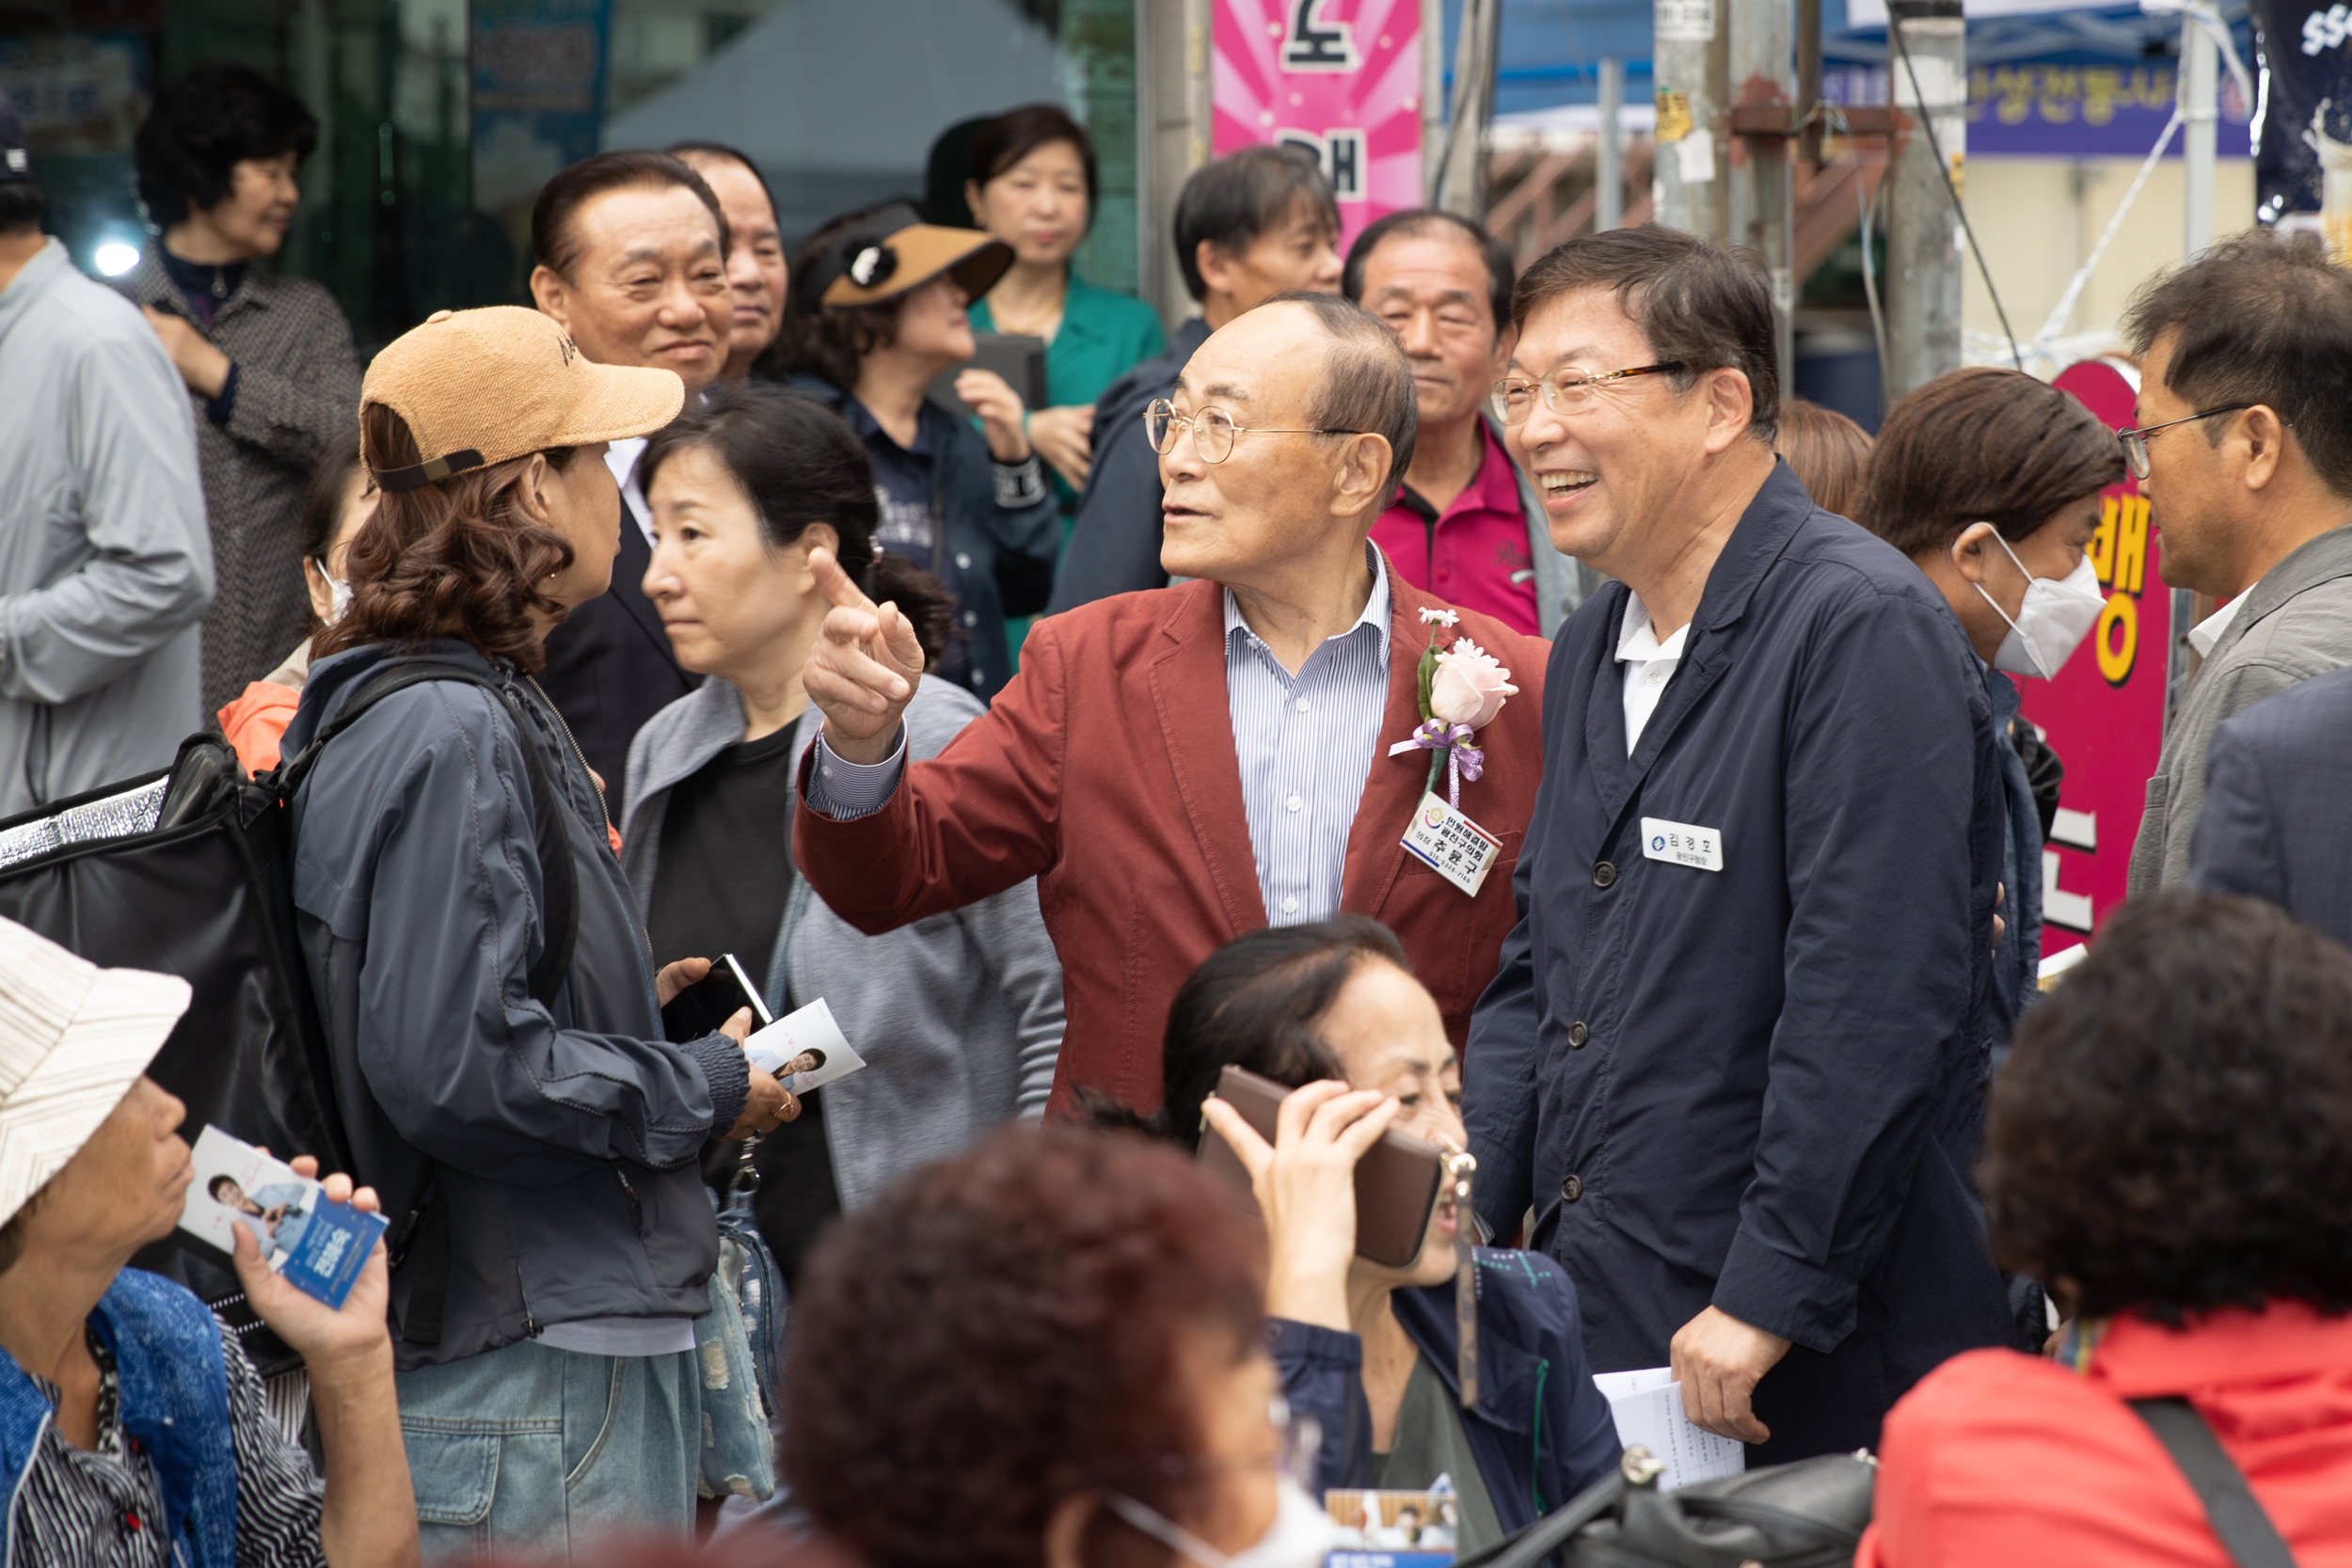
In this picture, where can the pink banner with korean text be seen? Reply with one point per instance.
(1341, 78)
(2105, 713)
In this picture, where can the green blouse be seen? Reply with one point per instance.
(1104, 335)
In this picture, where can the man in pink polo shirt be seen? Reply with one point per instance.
(1464, 527)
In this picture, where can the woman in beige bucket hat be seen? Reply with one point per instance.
(535, 1136)
(132, 1429)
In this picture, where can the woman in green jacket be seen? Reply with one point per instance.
(1033, 186)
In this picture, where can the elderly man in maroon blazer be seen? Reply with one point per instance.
(1179, 765)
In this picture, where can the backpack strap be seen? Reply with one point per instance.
(2235, 1514)
(422, 1236)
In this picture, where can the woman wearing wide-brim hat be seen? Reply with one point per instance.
(133, 1429)
(877, 313)
(534, 1135)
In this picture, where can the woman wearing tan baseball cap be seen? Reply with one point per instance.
(493, 1019)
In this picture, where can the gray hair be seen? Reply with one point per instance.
(1366, 386)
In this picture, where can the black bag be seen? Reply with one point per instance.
(189, 872)
(1808, 1514)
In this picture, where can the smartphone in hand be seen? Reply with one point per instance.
(702, 1008)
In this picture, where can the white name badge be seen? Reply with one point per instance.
(1452, 845)
(1680, 844)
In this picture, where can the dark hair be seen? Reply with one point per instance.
(553, 242)
(450, 558)
(1367, 382)
(1418, 222)
(1004, 1328)
(212, 1188)
(682, 150)
(2266, 318)
(202, 126)
(817, 340)
(1828, 452)
(1982, 445)
(1258, 1002)
(323, 494)
(22, 205)
(1015, 134)
(1697, 303)
(2169, 1133)
(1230, 203)
(799, 462)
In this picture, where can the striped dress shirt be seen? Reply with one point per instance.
(1304, 743)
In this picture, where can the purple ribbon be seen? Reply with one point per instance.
(1462, 759)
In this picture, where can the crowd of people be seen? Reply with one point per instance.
(1477, 703)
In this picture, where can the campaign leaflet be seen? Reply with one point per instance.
(319, 1245)
(1394, 1529)
(803, 1050)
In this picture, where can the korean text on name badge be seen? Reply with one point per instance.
(1681, 844)
(1452, 845)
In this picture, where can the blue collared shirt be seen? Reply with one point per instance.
(1305, 744)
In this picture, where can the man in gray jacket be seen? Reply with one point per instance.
(106, 566)
(2250, 347)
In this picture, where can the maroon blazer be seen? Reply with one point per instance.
(1106, 770)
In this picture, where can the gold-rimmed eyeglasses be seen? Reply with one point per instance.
(1213, 430)
(1563, 391)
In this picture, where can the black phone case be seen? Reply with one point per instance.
(700, 1008)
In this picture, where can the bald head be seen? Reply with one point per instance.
(1366, 382)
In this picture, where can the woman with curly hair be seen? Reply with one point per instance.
(1046, 1353)
(492, 1004)
(2167, 1149)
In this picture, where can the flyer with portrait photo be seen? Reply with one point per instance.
(317, 1244)
(805, 1050)
(1395, 1530)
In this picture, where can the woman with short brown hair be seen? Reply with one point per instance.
(1990, 482)
(493, 1010)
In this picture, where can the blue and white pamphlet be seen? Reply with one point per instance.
(319, 1245)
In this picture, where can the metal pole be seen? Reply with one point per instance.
(1462, 187)
(2201, 60)
(1924, 247)
(1432, 96)
(1763, 197)
(1692, 66)
(1610, 180)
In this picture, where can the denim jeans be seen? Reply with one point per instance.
(528, 1450)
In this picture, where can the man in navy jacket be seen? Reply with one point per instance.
(1735, 1055)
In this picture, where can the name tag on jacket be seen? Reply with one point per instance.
(1680, 844)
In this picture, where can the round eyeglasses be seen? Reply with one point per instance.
(1213, 430)
(1563, 391)
(2136, 441)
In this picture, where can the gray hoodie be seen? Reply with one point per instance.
(958, 1017)
(105, 566)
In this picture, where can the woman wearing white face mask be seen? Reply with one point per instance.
(335, 503)
(1990, 482)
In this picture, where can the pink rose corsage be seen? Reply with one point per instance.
(1462, 688)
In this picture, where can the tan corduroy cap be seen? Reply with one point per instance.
(480, 386)
(892, 252)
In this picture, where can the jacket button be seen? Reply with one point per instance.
(1572, 1188)
(1578, 1034)
(963, 562)
(1604, 874)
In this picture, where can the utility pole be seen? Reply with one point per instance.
(2201, 64)
(1691, 65)
(1763, 196)
(1461, 182)
(1609, 179)
(1927, 66)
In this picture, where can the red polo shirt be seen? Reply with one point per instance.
(1474, 552)
(2002, 1457)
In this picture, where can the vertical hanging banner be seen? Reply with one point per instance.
(2105, 713)
(539, 69)
(1341, 78)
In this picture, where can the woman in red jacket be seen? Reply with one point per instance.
(2167, 1149)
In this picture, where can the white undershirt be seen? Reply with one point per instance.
(1649, 664)
(2207, 632)
(621, 457)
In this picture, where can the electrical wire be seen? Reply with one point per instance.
(1927, 122)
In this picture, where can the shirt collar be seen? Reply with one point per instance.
(2207, 632)
(1637, 639)
(869, 429)
(1376, 607)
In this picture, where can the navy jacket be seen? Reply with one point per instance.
(999, 560)
(1540, 1429)
(2277, 817)
(1760, 1087)
(1115, 544)
(2017, 958)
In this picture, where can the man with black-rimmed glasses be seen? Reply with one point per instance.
(2243, 445)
